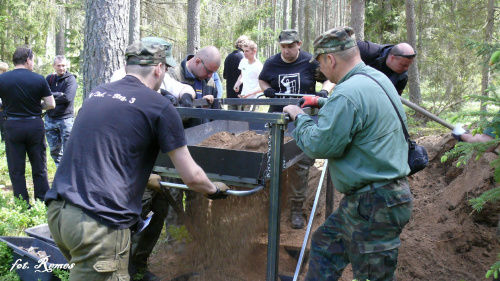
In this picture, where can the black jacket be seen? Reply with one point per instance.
(375, 55)
(231, 72)
(63, 89)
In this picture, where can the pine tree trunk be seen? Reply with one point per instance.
(302, 18)
(488, 36)
(134, 22)
(327, 15)
(193, 26)
(285, 14)
(308, 35)
(358, 18)
(105, 42)
(413, 75)
(61, 30)
(295, 15)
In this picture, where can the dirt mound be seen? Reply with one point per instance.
(445, 239)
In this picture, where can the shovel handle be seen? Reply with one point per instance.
(228, 192)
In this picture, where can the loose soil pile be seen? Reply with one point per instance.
(445, 239)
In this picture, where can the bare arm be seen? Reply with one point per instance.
(328, 86)
(48, 103)
(192, 174)
(236, 87)
(477, 138)
(264, 85)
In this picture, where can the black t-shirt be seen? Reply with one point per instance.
(112, 149)
(22, 91)
(231, 72)
(298, 77)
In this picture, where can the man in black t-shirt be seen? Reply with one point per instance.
(392, 60)
(290, 72)
(95, 200)
(24, 94)
(231, 70)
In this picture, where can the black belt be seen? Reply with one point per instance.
(21, 118)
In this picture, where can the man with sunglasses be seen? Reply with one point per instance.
(198, 71)
(392, 60)
(24, 95)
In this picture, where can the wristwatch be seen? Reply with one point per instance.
(300, 114)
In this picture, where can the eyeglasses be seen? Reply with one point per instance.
(208, 71)
(406, 56)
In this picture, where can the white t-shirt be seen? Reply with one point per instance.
(170, 84)
(250, 76)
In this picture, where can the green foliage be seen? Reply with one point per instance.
(6, 258)
(61, 274)
(180, 234)
(492, 195)
(16, 216)
(494, 269)
(10, 276)
(384, 21)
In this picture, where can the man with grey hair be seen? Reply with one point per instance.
(59, 121)
(359, 132)
(94, 204)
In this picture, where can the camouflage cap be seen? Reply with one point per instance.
(168, 48)
(145, 53)
(334, 40)
(288, 36)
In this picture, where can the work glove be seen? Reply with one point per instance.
(220, 193)
(154, 182)
(270, 92)
(322, 94)
(458, 131)
(309, 101)
(186, 100)
(169, 96)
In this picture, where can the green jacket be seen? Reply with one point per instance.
(358, 131)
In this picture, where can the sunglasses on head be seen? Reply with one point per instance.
(406, 56)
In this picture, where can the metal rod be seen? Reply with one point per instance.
(273, 239)
(310, 223)
(231, 192)
(426, 113)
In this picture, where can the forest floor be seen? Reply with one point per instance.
(444, 240)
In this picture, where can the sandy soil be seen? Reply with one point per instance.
(445, 239)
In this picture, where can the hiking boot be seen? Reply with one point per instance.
(296, 217)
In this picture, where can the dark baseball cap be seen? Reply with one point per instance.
(168, 48)
(334, 40)
(288, 36)
(145, 53)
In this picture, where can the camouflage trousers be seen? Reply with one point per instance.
(363, 231)
(57, 132)
(300, 179)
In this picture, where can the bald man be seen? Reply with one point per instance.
(197, 70)
(392, 60)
